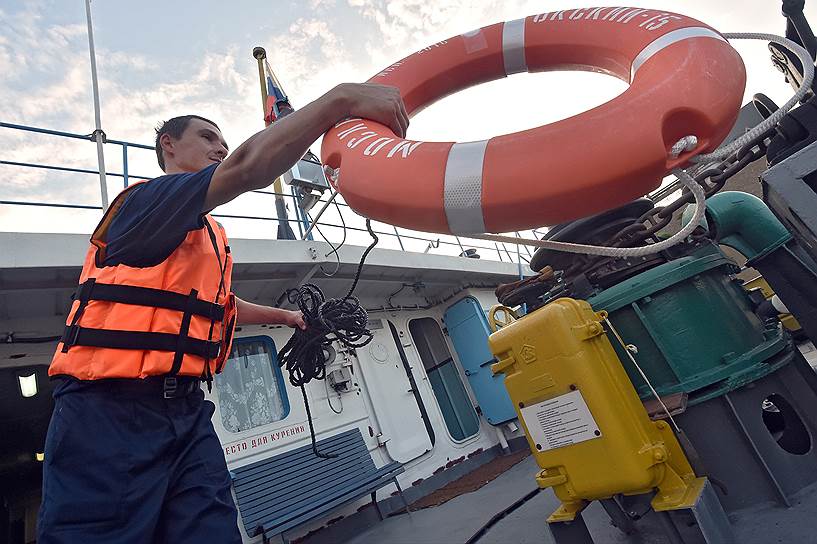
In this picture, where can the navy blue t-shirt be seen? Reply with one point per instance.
(156, 217)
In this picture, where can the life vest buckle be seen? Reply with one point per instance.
(170, 385)
(69, 337)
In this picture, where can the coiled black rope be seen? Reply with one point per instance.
(337, 319)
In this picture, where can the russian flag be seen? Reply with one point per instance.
(277, 101)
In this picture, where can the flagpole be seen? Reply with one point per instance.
(260, 54)
(98, 134)
(284, 230)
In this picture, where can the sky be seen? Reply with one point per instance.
(158, 59)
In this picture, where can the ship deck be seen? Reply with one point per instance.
(459, 519)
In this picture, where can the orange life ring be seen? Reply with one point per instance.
(685, 79)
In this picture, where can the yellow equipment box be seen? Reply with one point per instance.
(585, 424)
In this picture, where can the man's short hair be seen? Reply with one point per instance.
(175, 128)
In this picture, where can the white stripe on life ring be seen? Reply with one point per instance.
(513, 47)
(463, 187)
(668, 39)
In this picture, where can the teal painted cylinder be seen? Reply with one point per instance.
(694, 328)
(743, 222)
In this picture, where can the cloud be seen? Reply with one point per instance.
(46, 80)
(118, 59)
(47, 83)
(407, 25)
(57, 94)
(309, 59)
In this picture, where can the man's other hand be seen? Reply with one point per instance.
(379, 103)
(295, 319)
(257, 314)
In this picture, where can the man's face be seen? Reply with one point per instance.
(200, 145)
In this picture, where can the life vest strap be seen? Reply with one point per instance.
(206, 372)
(75, 335)
(146, 296)
(183, 333)
(228, 338)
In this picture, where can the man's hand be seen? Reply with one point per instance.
(295, 319)
(257, 314)
(376, 102)
(266, 155)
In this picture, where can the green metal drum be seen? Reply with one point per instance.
(693, 325)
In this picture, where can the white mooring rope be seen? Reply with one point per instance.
(568, 247)
(774, 118)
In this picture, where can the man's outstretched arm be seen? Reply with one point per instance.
(268, 154)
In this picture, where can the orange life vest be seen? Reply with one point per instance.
(175, 318)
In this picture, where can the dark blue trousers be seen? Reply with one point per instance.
(122, 466)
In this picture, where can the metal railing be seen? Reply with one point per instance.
(303, 221)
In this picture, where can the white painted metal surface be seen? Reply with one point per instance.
(395, 408)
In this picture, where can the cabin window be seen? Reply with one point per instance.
(458, 412)
(251, 388)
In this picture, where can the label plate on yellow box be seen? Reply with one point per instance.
(561, 421)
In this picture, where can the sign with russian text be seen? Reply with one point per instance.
(261, 440)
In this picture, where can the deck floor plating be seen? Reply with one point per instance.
(458, 519)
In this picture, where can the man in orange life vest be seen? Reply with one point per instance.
(131, 454)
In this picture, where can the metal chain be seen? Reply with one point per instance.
(712, 178)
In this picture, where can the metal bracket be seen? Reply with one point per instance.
(570, 532)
